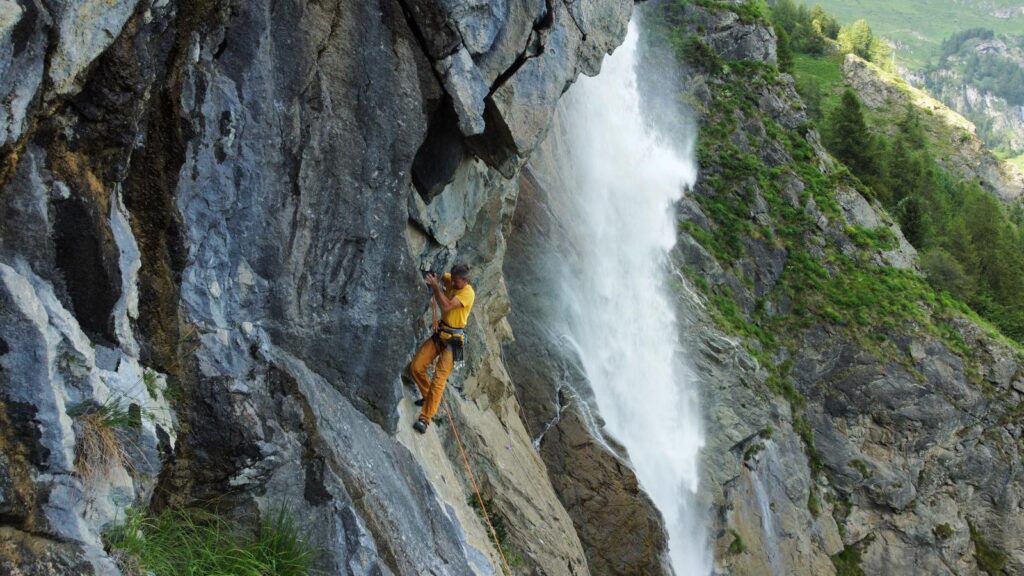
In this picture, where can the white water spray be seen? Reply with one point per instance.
(618, 304)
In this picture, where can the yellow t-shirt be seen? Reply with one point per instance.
(458, 317)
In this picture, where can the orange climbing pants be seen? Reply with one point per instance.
(431, 389)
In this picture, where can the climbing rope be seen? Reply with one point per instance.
(476, 489)
(465, 461)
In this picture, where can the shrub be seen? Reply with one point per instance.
(944, 272)
(848, 562)
(813, 504)
(497, 521)
(737, 546)
(943, 531)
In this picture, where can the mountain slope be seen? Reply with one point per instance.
(918, 27)
(982, 76)
(859, 422)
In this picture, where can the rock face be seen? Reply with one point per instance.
(1001, 121)
(828, 451)
(229, 203)
(214, 219)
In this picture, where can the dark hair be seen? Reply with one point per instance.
(461, 270)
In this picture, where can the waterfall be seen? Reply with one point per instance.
(768, 462)
(617, 301)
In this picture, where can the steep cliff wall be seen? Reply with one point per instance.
(858, 423)
(214, 215)
(978, 75)
(228, 204)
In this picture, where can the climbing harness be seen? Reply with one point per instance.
(456, 340)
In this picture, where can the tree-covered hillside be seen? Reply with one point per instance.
(919, 27)
(981, 74)
(971, 246)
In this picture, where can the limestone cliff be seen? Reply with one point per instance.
(991, 99)
(214, 217)
(215, 214)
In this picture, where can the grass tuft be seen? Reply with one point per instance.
(943, 531)
(149, 381)
(737, 546)
(991, 560)
(194, 542)
(98, 450)
(512, 555)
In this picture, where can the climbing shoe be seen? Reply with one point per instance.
(419, 402)
(420, 426)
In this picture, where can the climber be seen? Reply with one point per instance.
(445, 345)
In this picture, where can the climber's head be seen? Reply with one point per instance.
(460, 276)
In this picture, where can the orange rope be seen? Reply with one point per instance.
(476, 489)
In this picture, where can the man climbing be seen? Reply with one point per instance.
(445, 345)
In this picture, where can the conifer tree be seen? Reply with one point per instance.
(849, 139)
(857, 38)
(783, 51)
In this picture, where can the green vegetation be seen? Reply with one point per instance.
(110, 414)
(198, 543)
(813, 504)
(497, 521)
(986, 71)
(943, 531)
(784, 53)
(848, 562)
(149, 381)
(813, 31)
(809, 30)
(990, 559)
(819, 80)
(752, 450)
(838, 283)
(857, 38)
(861, 467)
(991, 71)
(919, 26)
(737, 546)
(969, 243)
(98, 447)
(848, 138)
(749, 11)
